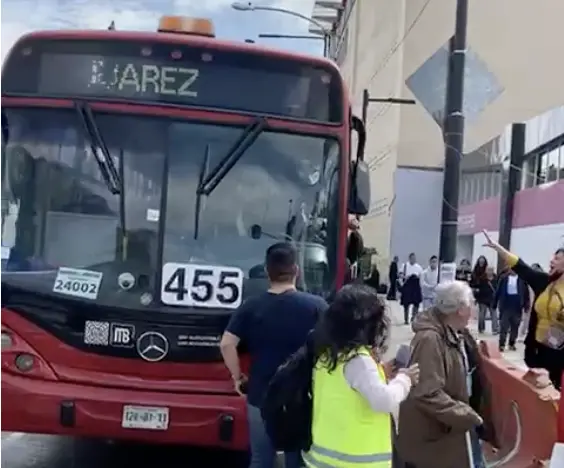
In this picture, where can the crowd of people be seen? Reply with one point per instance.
(503, 298)
(326, 363)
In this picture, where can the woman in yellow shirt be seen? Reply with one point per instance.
(544, 344)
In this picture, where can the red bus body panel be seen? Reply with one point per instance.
(198, 395)
(101, 386)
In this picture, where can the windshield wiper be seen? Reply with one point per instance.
(113, 178)
(248, 136)
(99, 148)
(197, 210)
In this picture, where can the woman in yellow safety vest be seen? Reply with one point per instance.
(353, 403)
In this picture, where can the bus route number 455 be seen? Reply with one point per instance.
(190, 285)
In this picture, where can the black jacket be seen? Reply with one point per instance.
(393, 273)
(501, 296)
(538, 281)
(484, 289)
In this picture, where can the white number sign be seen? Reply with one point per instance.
(191, 285)
(78, 283)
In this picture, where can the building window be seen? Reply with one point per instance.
(478, 186)
(481, 183)
(474, 189)
(553, 165)
(488, 184)
(529, 172)
(496, 184)
(542, 166)
(469, 191)
(462, 196)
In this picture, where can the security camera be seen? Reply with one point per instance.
(126, 281)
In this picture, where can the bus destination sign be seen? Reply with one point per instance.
(231, 80)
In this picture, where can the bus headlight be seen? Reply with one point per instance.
(7, 341)
(24, 362)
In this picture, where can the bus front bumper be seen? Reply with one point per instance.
(51, 407)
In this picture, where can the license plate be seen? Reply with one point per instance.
(145, 417)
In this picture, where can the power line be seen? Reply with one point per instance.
(394, 49)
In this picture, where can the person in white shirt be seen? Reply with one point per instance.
(410, 274)
(429, 281)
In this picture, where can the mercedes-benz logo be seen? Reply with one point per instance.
(152, 346)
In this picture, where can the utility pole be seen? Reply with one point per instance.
(453, 132)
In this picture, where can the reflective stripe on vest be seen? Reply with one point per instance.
(346, 432)
(362, 460)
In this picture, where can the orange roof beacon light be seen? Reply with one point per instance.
(186, 25)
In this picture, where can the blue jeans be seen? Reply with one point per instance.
(482, 312)
(477, 453)
(263, 453)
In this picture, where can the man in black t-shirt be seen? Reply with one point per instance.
(273, 326)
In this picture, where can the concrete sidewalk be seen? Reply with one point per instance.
(402, 334)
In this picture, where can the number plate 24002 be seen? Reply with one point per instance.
(145, 417)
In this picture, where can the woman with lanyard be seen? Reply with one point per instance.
(544, 344)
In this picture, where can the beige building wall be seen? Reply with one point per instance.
(521, 42)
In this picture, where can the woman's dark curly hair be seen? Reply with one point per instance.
(480, 270)
(356, 318)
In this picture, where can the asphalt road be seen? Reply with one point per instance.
(35, 451)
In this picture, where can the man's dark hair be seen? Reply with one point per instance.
(433, 257)
(281, 262)
(412, 254)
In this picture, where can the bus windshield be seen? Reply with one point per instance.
(65, 234)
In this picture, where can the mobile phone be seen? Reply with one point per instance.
(403, 355)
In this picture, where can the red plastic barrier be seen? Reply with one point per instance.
(517, 401)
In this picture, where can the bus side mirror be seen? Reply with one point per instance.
(359, 194)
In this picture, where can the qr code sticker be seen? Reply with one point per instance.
(96, 333)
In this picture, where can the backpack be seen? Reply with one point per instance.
(287, 407)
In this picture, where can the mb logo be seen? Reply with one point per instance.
(122, 335)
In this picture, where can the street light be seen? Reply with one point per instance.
(289, 36)
(250, 6)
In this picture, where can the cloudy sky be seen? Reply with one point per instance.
(21, 16)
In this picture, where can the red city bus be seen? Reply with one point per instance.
(143, 177)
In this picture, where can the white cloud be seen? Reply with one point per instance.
(49, 14)
(23, 16)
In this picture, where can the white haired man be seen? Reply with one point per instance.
(439, 421)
